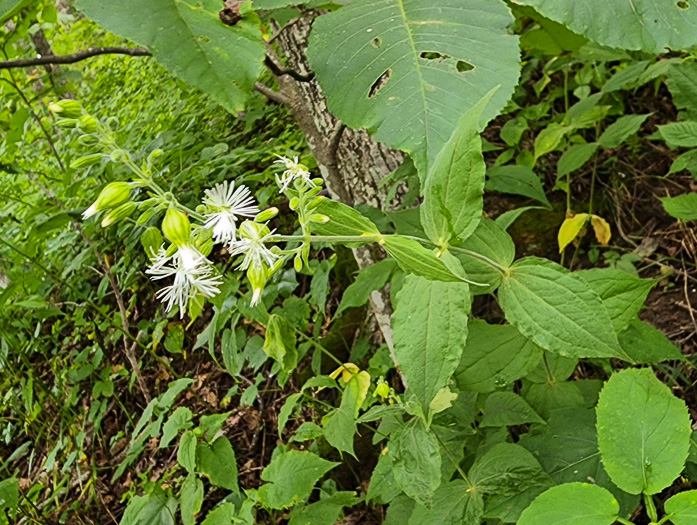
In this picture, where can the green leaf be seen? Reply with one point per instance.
(627, 77)
(189, 39)
(557, 310)
(387, 66)
(430, 329)
(290, 478)
(646, 25)
(620, 130)
(412, 257)
(416, 460)
(572, 504)
(175, 339)
(340, 424)
(279, 343)
(454, 188)
(491, 241)
(9, 8)
(221, 515)
(399, 511)
(622, 294)
(682, 207)
(382, 488)
(549, 139)
(506, 219)
(186, 454)
(327, 511)
(643, 432)
(156, 509)
(191, 499)
(682, 82)
(507, 469)
(503, 409)
(452, 504)
(682, 508)
(343, 220)
(518, 180)
(647, 345)
(679, 134)
(179, 420)
(218, 462)
(368, 280)
(495, 356)
(9, 495)
(286, 410)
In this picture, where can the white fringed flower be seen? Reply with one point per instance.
(294, 170)
(193, 275)
(225, 205)
(251, 245)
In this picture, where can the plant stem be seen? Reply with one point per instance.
(624, 521)
(469, 484)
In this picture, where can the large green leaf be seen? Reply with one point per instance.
(495, 356)
(572, 504)
(647, 25)
(503, 409)
(9, 8)
(430, 329)
(452, 503)
(647, 345)
(412, 257)
(189, 39)
(557, 310)
(683, 207)
(217, 461)
(643, 432)
(682, 508)
(407, 70)
(507, 469)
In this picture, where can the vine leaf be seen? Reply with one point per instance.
(407, 70)
(647, 25)
(189, 39)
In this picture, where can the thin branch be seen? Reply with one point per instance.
(335, 138)
(279, 71)
(272, 95)
(130, 352)
(75, 57)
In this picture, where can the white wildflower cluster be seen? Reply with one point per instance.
(294, 171)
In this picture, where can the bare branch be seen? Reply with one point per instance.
(75, 57)
(269, 93)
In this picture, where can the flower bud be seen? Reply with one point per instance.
(118, 213)
(382, 389)
(154, 156)
(298, 263)
(118, 155)
(258, 277)
(314, 203)
(112, 195)
(318, 181)
(87, 124)
(319, 219)
(294, 203)
(176, 227)
(87, 160)
(66, 108)
(266, 215)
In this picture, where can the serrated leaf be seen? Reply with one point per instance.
(430, 329)
(382, 488)
(682, 82)
(221, 515)
(679, 134)
(643, 432)
(682, 508)
(416, 460)
(218, 462)
(385, 65)
(494, 356)
(179, 420)
(620, 130)
(454, 188)
(507, 469)
(570, 229)
(368, 280)
(647, 345)
(653, 26)
(491, 241)
(324, 512)
(682, 207)
(189, 39)
(557, 310)
(412, 257)
(290, 478)
(516, 180)
(452, 503)
(572, 504)
(503, 409)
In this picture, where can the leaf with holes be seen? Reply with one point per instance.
(407, 70)
(647, 25)
(189, 39)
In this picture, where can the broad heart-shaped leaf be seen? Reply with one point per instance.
(491, 241)
(407, 70)
(452, 503)
(557, 310)
(416, 461)
(682, 508)
(622, 294)
(572, 504)
(430, 329)
(495, 356)
(683, 207)
(646, 25)
(217, 461)
(189, 39)
(643, 432)
(454, 188)
(290, 478)
(340, 424)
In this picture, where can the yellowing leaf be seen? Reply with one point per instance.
(602, 230)
(570, 229)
